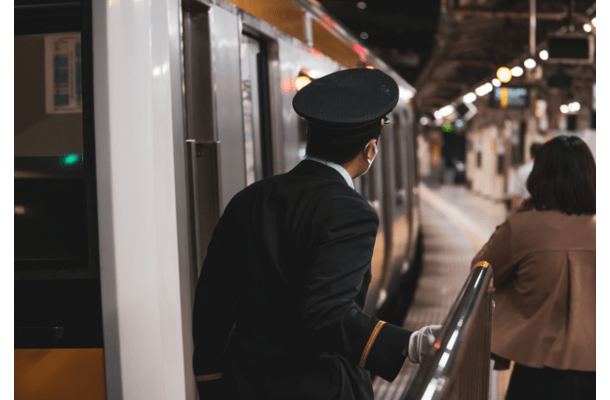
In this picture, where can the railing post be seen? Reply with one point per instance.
(459, 368)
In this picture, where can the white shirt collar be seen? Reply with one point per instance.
(334, 166)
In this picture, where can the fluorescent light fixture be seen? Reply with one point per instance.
(484, 89)
(574, 106)
(564, 108)
(544, 55)
(446, 110)
(516, 71)
(315, 74)
(496, 82)
(404, 94)
(470, 97)
(529, 63)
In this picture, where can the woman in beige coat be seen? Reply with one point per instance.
(543, 260)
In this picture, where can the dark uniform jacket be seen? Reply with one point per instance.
(278, 307)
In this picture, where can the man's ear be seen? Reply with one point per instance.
(372, 149)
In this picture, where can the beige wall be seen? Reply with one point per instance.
(494, 139)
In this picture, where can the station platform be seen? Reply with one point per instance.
(456, 223)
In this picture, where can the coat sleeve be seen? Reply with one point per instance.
(329, 311)
(213, 314)
(497, 251)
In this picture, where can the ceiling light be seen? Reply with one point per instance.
(504, 74)
(484, 89)
(424, 120)
(446, 110)
(470, 97)
(529, 63)
(438, 114)
(587, 27)
(593, 22)
(301, 82)
(564, 108)
(575, 106)
(516, 71)
(544, 55)
(361, 5)
(496, 82)
(364, 35)
(315, 74)
(405, 94)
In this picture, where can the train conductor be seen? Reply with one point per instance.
(278, 306)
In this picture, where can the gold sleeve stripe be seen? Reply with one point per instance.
(369, 344)
(483, 264)
(211, 377)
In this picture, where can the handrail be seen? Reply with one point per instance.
(465, 341)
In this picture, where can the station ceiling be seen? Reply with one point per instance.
(445, 47)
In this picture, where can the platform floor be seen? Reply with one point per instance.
(455, 223)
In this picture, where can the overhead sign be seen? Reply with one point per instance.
(510, 97)
(573, 48)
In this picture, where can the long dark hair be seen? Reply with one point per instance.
(563, 177)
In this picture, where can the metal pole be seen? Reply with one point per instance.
(533, 27)
(571, 16)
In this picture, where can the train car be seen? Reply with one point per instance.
(135, 124)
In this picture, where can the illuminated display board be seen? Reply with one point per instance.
(510, 97)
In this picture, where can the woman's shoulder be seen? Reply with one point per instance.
(552, 216)
(553, 228)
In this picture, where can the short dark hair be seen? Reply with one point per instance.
(337, 150)
(534, 149)
(563, 177)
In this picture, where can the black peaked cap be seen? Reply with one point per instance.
(347, 98)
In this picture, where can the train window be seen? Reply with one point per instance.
(255, 108)
(400, 160)
(56, 256)
(50, 199)
(250, 104)
(501, 164)
(370, 184)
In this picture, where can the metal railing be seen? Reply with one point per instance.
(459, 366)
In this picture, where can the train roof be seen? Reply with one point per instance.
(307, 23)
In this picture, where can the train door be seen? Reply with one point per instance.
(410, 146)
(255, 109)
(395, 206)
(372, 187)
(402, 218)
(58, 318)
(228, 116)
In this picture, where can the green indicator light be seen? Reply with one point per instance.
(71, 159)
(447, 128)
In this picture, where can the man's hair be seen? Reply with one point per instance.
(534, 149)
(337, 150)
(563, 177)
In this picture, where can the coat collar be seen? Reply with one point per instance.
(310, 167)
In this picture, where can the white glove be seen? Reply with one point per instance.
(421, 342)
